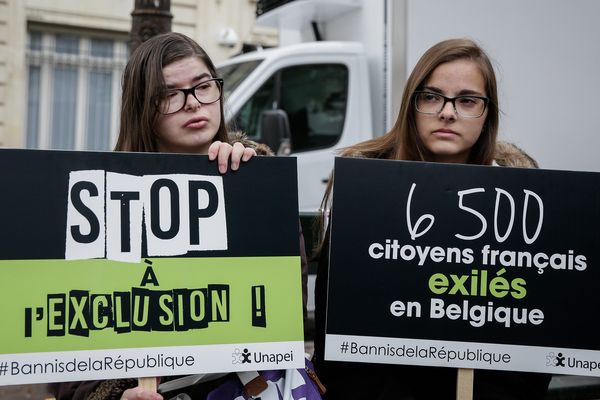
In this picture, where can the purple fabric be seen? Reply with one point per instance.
(301, 386)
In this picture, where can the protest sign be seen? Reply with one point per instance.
(464, 266)
(127, 265)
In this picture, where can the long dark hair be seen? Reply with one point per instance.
(143, 83)
(402, 141)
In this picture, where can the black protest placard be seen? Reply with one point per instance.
(137, 264)
(464, 266)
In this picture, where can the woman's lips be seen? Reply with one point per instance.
(196, 123)
(445, 133)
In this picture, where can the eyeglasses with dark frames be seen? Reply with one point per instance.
(467, 106)
(205, 92)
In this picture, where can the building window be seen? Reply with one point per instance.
(74, 87)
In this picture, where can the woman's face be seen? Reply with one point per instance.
(447, 135)
(191, 129)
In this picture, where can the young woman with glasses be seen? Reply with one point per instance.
(171, 102)
(449, 113)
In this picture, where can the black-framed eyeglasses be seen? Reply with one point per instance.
(466, 106)
(206, 92)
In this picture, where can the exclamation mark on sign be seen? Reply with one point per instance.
(259, 317)
(27, 322)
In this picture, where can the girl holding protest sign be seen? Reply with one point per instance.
(449, 113)
(172, 103)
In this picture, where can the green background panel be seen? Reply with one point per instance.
(26, 283)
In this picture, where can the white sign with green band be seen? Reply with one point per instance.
(170, 274)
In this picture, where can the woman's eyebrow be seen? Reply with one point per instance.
(464, 92)
(433, 89)
(200, 77)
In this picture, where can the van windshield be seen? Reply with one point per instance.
(234, 74)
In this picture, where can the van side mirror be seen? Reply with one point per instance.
(275, 128)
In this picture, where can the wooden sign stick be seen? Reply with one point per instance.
(464, 384)
(148, 383)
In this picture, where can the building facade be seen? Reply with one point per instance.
(61, 63)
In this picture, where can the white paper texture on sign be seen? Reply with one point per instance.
(124, 217)
(85, 215)
(184, 212)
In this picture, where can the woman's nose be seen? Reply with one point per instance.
(191, 103)
(448, 111)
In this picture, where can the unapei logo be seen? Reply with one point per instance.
(555, 360)
(241, 357)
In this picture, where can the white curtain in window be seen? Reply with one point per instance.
(97, 132)
(33, 106)
(64, 107)
(98, 112)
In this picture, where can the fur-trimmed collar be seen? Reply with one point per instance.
(509, 155)
(261, 149)
(506, 155)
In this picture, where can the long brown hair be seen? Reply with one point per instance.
(143, 82)
(402, 142)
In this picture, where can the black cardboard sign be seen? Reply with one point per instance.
(464, 266)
